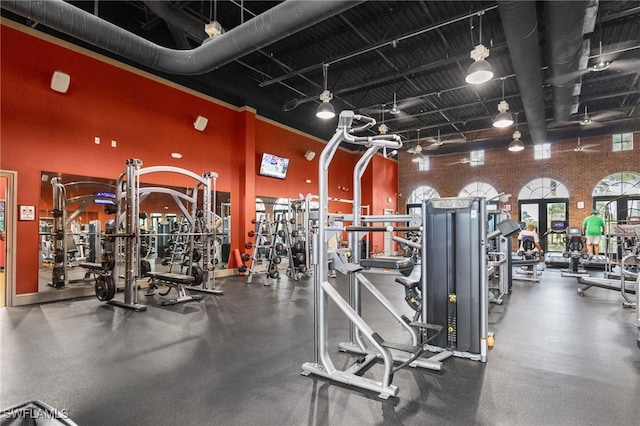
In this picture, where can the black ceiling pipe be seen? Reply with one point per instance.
(520, 24)
(177, 17)
(283, 20)
(564, 22)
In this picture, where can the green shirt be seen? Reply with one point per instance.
(594, 225)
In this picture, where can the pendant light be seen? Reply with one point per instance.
(480, 70)
(503, 119)
(325, 110)
(516, 144)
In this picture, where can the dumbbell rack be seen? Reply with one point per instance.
(272, 238)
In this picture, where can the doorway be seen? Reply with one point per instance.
(540, 213)
(7, 236)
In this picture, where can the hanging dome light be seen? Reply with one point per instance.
(325, 110)
(503, 119)
(516, 144)
(480, 70)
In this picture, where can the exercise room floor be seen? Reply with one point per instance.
(558, 359)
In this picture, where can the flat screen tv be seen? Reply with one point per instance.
(274, 166)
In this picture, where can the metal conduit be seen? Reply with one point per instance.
(564, 21)
(275, 24)
(521, 31)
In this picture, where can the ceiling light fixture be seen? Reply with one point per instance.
(394, 109)
(480, 70)
(325, 110)
(382, 128)
(585, 119)
(601, 65)
(516, 144)
(503, 119)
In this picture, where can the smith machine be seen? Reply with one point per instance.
(128, 196)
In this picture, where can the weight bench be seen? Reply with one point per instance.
(95, 269)
(177, 281)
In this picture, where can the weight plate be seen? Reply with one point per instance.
(105, 288)
(145, 268)
(58, 277)
(108, 261)
(198, 274)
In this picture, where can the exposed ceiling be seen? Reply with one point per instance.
(416, 52)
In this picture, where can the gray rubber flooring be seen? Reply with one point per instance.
(558, 359)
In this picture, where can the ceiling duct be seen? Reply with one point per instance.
(275, 24)
(564, 22)
(521, 31)
(175, 16)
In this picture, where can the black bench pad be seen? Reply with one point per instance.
(170, 277)
(387, 262)
(89, 265)
(408, 282)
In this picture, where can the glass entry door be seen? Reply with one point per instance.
(540, 213)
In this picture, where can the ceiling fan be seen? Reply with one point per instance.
(464, 160)
(605, 61)
(593, 147)
(438, 142)
(596, 119)
(396, 107)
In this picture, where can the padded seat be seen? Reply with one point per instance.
(408, 282)
(387, 262)
(91, 266)
(170, 277)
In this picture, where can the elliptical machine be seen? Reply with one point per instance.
(574, 252)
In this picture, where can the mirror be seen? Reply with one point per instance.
(88, 199)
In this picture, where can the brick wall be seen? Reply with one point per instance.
(508, 171)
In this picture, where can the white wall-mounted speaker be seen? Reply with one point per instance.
(60, 81)
(201, 123)
(309, 155)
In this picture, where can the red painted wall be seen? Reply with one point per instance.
(148, 118)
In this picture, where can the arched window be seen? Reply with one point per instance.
(544, 203)
(478, 189)
(623, 183)
(542, 188)
(422, 193)
(618, 195)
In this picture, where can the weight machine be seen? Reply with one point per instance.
(65, 242)
(128, 197)
(467, 333)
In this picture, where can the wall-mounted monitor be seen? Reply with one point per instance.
(274, 166)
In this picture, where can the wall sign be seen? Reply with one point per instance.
(27, 212)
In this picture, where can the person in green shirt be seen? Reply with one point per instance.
(593, 228)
